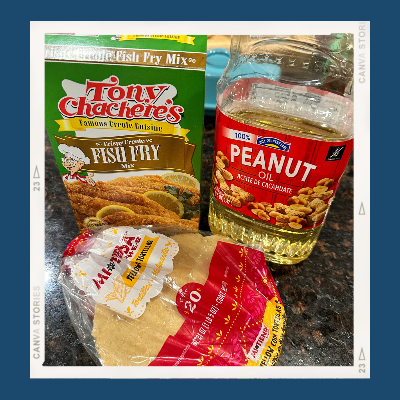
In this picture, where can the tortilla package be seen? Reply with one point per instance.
(169, 297)
(124, 115)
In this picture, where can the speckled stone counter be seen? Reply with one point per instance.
(317, 293)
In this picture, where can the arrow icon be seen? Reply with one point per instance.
(362, 211)
(36, 173)
(362, 357)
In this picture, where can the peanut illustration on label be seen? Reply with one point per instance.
(233, 195)
(306, 209)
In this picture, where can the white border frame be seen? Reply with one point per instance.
(361, 31)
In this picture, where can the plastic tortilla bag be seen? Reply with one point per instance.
(142, 296)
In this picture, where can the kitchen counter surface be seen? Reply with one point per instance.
(317, 293)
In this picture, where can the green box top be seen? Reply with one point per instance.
(188, 43)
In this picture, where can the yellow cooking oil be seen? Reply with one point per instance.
(280, 245)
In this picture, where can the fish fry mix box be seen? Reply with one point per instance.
(124, 115)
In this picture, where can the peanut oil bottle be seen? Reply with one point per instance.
(283, 138)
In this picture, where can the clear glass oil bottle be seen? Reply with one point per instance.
(269, 84)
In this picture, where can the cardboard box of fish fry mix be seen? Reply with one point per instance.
(125, 119)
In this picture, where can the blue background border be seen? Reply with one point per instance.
(384, 270)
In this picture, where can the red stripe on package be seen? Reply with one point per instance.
(235, 318)
(75, 245)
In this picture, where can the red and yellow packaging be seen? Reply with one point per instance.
(171, 298)
(259, 170)
(236, 318)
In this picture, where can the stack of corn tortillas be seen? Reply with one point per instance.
(132, 295)
(121, 340)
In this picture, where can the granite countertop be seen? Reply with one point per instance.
(317, 293)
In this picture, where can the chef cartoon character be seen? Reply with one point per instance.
(74, 159)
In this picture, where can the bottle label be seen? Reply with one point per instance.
(276, 178)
